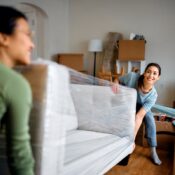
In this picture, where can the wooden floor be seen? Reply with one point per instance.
(141, 164)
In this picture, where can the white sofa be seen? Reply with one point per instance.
(76, 129)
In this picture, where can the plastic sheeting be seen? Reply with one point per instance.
(94, 153)
(99, 108)
(63, 96)
(47, 116)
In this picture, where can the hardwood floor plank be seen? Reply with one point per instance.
(141, 164)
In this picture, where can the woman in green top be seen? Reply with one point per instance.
(15, 93)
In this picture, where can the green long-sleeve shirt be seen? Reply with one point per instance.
(15, 105)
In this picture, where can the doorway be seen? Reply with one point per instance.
(37, 19)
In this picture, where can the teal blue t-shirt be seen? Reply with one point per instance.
(146, 100)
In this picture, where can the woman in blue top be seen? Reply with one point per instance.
(146, 98)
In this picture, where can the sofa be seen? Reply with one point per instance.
(76, 127)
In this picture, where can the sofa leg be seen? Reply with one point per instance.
(124, 161)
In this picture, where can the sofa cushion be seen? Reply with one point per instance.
(90, 152)
(99, 109)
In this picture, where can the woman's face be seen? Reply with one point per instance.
(20, 45)
(151, 75)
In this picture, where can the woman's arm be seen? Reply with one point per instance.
(138, 120)
(149, 101)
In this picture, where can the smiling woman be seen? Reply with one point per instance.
(15, 101)
(146, 98)
(17, 46)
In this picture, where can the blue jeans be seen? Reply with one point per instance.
(150, 128)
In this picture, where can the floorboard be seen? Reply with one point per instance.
(141, 164)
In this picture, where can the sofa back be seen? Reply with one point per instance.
(99, 109)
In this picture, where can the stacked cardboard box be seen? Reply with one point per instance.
(131, 50)
(72, 60)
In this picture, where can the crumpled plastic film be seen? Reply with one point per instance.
(50, 86)
(100, 109)
(47, 117)
(67, 101)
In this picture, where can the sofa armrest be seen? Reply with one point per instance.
(49, 83)
(99, 109)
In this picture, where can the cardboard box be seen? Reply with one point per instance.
(165, 134)
(72, 60)
(131, 50)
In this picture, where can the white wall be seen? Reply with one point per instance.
(153, 18)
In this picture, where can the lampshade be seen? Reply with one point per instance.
(95, 45)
